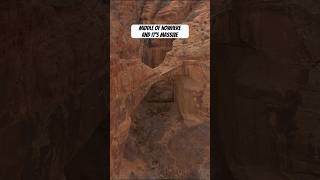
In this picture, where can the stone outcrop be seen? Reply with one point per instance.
(160, 92)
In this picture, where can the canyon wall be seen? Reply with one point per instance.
(160, 92)
(267, 55)
(53, 84)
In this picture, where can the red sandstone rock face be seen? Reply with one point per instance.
(160, 93)
(268, 69)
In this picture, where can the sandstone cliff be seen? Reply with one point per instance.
(160, 92)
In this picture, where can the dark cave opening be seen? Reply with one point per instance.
(155, 50)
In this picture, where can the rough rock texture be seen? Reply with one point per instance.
(267, 54)
(160, 93)
(52, 84)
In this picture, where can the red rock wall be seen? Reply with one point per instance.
(182, 67)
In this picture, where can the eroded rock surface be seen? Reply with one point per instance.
(160, 93)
